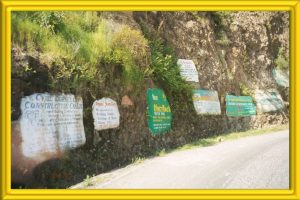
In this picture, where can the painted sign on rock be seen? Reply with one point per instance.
(188, 70)
(159, 111)
(106, 114)
(51, 123)
(268, 101)
(239, 106)
(281, 77)
(206, 102)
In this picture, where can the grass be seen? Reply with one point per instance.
(138, 160)
(87, 181)
(220, 138)
(79, 48)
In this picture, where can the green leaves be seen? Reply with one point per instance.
(80, 48)
(165, 69)
(281, 61)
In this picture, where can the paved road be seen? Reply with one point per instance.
(250, 162)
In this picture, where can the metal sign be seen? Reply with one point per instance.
(106, 114)
(51, 123)
(268, 101)
(159, 111)
(188, 70)
(206, 102)
(239, 106)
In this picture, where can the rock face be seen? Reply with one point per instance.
(229, 49)
(233, 53)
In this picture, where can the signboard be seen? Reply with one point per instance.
(206, 102)
(188, 70)
(268, 101)
(281, 77)
(239, 106)
(159, 111)
(51, 123)
(106, 114)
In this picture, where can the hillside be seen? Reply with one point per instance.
(121, 54)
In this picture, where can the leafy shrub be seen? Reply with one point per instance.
(219, 21)
(77, 45)
(130, 49)
(164, 69)
(245, 91)
(281, 62)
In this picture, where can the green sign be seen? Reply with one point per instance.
(239, 106)
(159, 111)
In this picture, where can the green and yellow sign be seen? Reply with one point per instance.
(239, 106)
(159, 111)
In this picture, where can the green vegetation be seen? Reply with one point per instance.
(83, 51)
(219, 19)
(223, 41)
(164, 69)
(138, 160)
(87, 181)
(281, 62)
(245, 91)
(81, 48)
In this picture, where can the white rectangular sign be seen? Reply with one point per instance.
(188, 70)
(51, 123)
(106, 114)
(206, 102)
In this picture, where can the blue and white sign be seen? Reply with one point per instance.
(268, 101)
(206, 102)
(281, 77)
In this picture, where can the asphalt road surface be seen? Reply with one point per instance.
(256, 162)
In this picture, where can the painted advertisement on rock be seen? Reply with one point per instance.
(188, 70)
(106, 114)
(239, 106)
(51, 123)
(159, 111)
(268, 101)
(206, 102)
(281, 77)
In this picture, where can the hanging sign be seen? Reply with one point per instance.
(106, 114)
(206, 102)
(159, 111)
(268, 101)
(188, 70)
(239, 106)
(51, 123)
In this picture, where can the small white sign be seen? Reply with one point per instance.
(268, 101)
(188, 70)
(51, 123)
(106, 114)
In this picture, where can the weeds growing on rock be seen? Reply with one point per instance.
(77, 45)
(281, 62)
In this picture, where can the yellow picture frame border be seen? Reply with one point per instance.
(7, 6)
